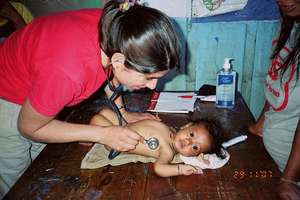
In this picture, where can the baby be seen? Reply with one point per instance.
(203, 136)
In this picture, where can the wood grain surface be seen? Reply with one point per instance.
(249, 174)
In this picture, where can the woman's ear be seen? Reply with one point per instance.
(187, 125)
(117, 60)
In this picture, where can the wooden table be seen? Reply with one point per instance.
(249, 174)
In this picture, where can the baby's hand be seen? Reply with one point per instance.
(189, 169)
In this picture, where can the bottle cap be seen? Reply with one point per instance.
(227, 64)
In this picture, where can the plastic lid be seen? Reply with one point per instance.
(227, 64)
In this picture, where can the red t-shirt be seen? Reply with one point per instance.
(55, 61)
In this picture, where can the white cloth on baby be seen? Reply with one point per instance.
(206, 161)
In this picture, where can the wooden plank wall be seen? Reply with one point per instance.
(207, 44)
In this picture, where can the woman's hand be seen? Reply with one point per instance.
(120, 138)
(189, 169)
(288, 191)
(256, 129)
(135, 116)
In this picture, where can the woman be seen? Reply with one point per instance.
(60, 60)
(279, 123)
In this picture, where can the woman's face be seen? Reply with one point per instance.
(192, 140)
(134, 80)
(290, 8)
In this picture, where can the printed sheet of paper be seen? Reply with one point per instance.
(172, 102)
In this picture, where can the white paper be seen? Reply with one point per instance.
(210, 98)
(174, 95)
(172, 102)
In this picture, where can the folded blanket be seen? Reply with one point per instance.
(98, 157)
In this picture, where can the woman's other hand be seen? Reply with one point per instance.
(136, 116)
(255, 129)
(288, 191)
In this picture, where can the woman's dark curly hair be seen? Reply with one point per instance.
(217, 133)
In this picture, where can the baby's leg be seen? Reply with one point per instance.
(110, 115)
(106, 117)
(100, 119)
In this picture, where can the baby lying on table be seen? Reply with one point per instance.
(202, 136)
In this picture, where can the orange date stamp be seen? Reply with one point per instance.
(252, 174)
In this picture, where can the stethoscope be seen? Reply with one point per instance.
(152, 142)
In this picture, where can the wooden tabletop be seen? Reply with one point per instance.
(249, 174)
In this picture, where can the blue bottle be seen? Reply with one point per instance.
(225, 88)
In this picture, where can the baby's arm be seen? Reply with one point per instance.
(166, 170)
(163, 168)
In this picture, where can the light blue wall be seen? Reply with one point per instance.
(248, 43)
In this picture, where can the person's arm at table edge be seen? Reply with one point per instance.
(257, 127)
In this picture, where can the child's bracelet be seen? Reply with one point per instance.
(290, 181)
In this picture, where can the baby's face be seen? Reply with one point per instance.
(193, 140)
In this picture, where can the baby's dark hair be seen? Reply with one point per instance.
(217, 133)
(146, 37)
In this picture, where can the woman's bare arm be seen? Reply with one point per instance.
(45, 129)
(257, 127)
(291, 174)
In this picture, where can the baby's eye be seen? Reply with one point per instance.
(191, 134)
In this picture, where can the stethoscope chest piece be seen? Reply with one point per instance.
(152, 143)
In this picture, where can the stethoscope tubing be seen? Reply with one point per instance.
(116, 92)
(151, 142)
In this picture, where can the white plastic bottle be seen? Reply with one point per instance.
(225, 88)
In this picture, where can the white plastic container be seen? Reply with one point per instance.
(225, 88)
